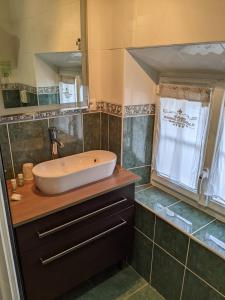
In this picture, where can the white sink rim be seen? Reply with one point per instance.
(66, 173)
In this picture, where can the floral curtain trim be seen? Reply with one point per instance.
(201, 94)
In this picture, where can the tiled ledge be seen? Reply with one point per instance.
(194, 240)
(188, 219)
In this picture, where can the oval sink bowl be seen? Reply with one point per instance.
(64, 174)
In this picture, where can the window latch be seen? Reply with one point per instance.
(202, 178)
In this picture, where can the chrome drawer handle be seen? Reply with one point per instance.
(70, 223)
(82, 244)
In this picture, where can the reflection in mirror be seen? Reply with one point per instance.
(42, 61)
(64, 73)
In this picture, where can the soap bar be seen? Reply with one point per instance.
(16, 197)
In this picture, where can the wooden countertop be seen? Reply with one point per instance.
(35, 204)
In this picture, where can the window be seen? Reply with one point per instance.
(216, 182)
(189, 147)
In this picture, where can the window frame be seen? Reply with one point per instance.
(216, 106)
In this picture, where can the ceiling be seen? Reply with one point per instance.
(196, 58)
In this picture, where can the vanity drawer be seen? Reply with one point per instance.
(67, 222)
(55, 271)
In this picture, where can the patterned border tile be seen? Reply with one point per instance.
(40, 115)
(18, 86)
(110, 108)
(142, 109)
(35, 90)
(48, 90)
(16, 118)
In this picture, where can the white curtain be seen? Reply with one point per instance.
(181, 135)
(216, 185)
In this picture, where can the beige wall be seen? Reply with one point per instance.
(43, 26)
(138, 86)
(9, 43)
(119, 24)
(106, 75)
(138, 23)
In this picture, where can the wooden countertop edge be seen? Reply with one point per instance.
(73, 202)
(15, 225)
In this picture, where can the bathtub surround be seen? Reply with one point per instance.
(178, 249)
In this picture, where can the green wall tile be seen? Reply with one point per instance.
(186, 217)
(29, 143)
(207, 265)
(11, 98)
(32, 99)
(104, 131)
(47, 99)
(115, 127)
(195, 288)
(144, 220)
(142, 255)
(155, 199)
(137, 141)
(171, 239)
(7, 162)
(144, 173)
(167, 275)
(70, 133)
(213, 235)
(91, 125)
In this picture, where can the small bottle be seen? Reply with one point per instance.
(14, 184)
(27, 171)
(20, 179)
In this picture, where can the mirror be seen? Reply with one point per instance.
(42, 55)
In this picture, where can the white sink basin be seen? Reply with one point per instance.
(63, 174)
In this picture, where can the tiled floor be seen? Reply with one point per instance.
(115, 284)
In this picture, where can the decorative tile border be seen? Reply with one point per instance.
(16, 118)
(18, 86)
(31, 89)
(9, 86)
(142, 109)
(48, 90)
(41, 115)
(110, 108)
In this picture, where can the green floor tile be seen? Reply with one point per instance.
(110, 285)
(146, 293)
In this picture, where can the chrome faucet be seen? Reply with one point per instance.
(55, 142)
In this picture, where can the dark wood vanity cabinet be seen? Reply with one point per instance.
(61, 250)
